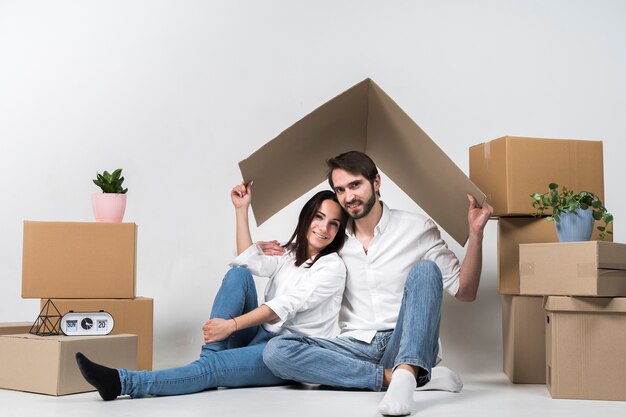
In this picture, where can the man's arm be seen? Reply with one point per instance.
(271, 248)
(473, 262)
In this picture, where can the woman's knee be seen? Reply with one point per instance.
(424, 273)
(238, 276)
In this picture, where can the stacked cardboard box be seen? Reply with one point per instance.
(585, 288)
(15, 328)
(585, 345)
(82, 267)
(523, 350)
(46, 365)
(132, 316)
(508, 170)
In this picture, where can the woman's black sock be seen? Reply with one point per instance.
(105, 380)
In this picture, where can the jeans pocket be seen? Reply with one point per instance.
(382, 340)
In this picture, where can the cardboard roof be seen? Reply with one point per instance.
(366, 119)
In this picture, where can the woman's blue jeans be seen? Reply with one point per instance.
(346, 362)
(234, 362)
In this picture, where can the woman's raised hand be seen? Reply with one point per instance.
(241, 195)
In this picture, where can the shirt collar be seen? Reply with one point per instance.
(384, 220)
(380, 227)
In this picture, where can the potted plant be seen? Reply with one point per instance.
(573, 213)
(109, 206)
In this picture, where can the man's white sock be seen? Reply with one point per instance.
(443, 379)
(398, 400)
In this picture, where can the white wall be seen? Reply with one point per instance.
(177, 92)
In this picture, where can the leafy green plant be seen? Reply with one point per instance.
(111, 183)
(567, 200)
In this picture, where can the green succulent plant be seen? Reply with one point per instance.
(111, 183)
(568, 200)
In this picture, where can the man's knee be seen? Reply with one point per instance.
(424, 274)
(275, 353)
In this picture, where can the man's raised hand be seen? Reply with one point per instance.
(477, 216)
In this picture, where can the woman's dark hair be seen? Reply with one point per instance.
(354, 162)
(298, 242)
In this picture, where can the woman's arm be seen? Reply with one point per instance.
(247, 254)
(326, 278)
(241, 195)
(215, 330)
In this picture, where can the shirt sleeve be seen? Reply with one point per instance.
(323, 280)
(259, 264)
(438, 252)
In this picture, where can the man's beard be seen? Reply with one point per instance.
(367, 207)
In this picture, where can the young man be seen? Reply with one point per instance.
(398, 266)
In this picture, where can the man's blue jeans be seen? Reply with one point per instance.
(234, 362)
(349, 363)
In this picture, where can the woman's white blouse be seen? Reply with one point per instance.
(306, 300)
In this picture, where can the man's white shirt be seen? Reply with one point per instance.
(375, 281)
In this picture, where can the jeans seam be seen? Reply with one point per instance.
(202, 375)
(379, 378)
(138, 386)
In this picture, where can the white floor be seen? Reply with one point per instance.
(483, 395)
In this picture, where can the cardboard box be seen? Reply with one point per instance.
(523, 339)
(586, 348)
(513, 231)
(509, 169)
(15, 327)
(573, 268)
(78, 260)
(130, 316)
(47, 365)
(366, 119)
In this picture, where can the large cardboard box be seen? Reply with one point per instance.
(130, 316)
(47, 365)
(573, 268)
(366, 119)
(586, 348)
(78, 260)
(15, 327)
(509, 169)
(513, 231)
(523, 339)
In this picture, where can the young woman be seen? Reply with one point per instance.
(303, 296)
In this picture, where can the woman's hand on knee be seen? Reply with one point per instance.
(215, 330)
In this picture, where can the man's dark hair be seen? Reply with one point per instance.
(354, 162)
(298, 242)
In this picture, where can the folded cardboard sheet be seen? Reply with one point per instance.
(366, 119)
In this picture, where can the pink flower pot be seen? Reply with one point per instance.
(108, 208)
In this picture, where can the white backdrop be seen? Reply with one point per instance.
(177, 92)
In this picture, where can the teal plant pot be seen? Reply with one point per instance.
(575, 226)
